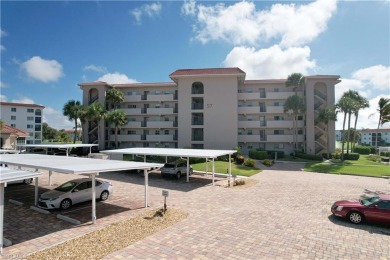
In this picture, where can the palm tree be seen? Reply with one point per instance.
(118, 118)
(295, 104)
(384, 115)
(95, 112)
(295, 80)
(72, 109)
(362, 103)
(345, 106)
(114, 97)
(325, 115)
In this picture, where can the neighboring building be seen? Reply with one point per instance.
(215, 109)
(11, 137)
(27, 117)
(70, 133)
(369, 136)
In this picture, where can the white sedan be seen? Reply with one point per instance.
(73, 192)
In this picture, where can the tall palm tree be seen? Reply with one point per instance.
(295, 80)
(118, 118)
(345, 106)
(72, 109)
(384, 115)
(325, 115)
(114, 97)
(95, 112)
(295, 104)
(362, 103)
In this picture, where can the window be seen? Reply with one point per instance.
(166, 105)
(38, 112)
(30, 118)
(131, 119)
(31, 134)
(279, 146)
(250, 147)
(240, 131)
(278, 104)
(166, 132)
(166, 119)
(384, 205)
(300, 132)
(158, 92)
(38, 120)
(249, 104)
(249, 118)
(262, 107)
(278, 118)
(30, 126)
(197, 134)
(197, 88)
(13, 109)
(157, 105)
(157, 132)
(300, 118)
(131, 106)
(250, 132)
(131, 132)
(13, 117)
(30, 110)
(279, 132)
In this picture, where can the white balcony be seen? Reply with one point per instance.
(278, 95)
(160, 111)
(165, 97)
(125, 138)
(159, 124)
(248, 96)
(132, 98)
(279, 123)
(159, 138)
(248, 110)
(132, 124)
(249, 138)
(132, 111)
(275, 109)
(283, 138)
(248, 124)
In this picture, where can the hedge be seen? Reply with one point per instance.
(309, 156)
(364, 149)
(258, 155)
(386, 154)
(271, 154)
(351, 156)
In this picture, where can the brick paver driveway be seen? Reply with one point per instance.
(285, 215)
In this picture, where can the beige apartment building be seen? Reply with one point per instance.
(216, 109)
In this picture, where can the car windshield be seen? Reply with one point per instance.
(169, 165)
(369, 201)
(67, 186)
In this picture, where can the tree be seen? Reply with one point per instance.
(384, 114)
(295, 80)
(118, 118)
(94, 113)
(48, 132)
(325, 115)
(114, 97)
(345, 106)
(362, 103)
(295, 104)
(71, 110)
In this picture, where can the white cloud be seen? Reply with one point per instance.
(2, 34)
(116, 78)
(270, 63)
(2, 48)
(23, 100)
(56, 119)
(42, 70)
(189, 7)
(241, 23)
(100, 69)
(3, 84)
(3, 98)
(150, 10)
(351, 84)
(377, 76)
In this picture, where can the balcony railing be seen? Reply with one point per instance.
(197, 137)
(197, 122)
(197, 105)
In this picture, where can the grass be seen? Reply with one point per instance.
(221, 167)
(361, 167)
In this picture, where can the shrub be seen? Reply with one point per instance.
(239, 182)
(385, 153)
(258, 155)
(364, 149)
(374, 158)
(268, 162)
(351, 156)
(279, 154)
(309, 156)
(249, 163)
(240, 159)
(336, 155)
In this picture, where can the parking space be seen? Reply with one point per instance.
(285, 214)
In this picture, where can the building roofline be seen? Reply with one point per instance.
(20, 104)
(13, 130)
(146, 84)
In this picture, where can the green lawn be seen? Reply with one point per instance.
(363, 167)
(221, 167)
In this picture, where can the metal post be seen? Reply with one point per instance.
(1, 215)
(188, 169)
(50, 181)
(36, 191)
(146, 188)
(230, 167)
(213, 171)
(93, 198)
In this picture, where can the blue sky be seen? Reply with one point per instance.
(48, 47)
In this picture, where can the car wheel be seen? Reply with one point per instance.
(355, 217)
(27, 181)
(178, 175)
(65, 204)
(191, 171)
(104, 195)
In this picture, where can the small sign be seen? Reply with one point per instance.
(165, 193)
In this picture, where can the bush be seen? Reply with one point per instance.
(351, 156)
(374, 158)
(268, 162)
(385, 153)
(258, 155)
(309, 156)
(249, 163)
(239, 182)
(336, 155)
(271, 154)
(240, 159)
(364, 149)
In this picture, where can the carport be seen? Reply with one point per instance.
(77, 165)
(174, 152)
(8, 175)
(59, 146)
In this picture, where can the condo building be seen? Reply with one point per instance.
(26, 117)
(216, 108)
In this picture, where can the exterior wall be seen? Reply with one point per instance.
(235, 112)
(22, 119)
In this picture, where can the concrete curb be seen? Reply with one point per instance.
(40, 210)
(15, 202)
(68, 219)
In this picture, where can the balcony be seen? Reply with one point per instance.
(160, 124)
(195, 106)
(275, 109)
(159, 138)
(161, 97)
(126, 138)
(248, 96)
(284, 138)
(197, 122)
(248, 124)
(132, 98)
(197, 137)
(279, 95)
(132, 124)
(160, 111)
(248, 110)
(132, 111)
(249, 138)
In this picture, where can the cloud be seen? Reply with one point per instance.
(377, 76)
(100, 69)
(189, 7)
(116, 78)
(23, 100)
(242, 24)
(150, 10)
(270, 63)
(2, 34)
(42, 70)
(56, 119)
(3, 84)
(3, 98)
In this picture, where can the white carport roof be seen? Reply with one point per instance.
(77, 165)
(58, 146)
(8, 175)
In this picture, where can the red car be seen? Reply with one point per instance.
(374, 209)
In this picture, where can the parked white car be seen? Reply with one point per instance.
(73, 192)
(175, 169)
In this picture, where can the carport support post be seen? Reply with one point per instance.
(213, 171)
(36, 192)
(230, 168)
(93, 198)
(50, 173)
(1, 215)
(188, 169)
(146, 188)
